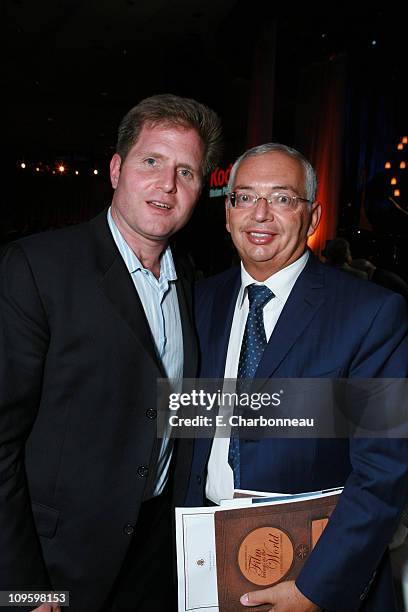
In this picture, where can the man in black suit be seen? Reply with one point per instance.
(91, 317)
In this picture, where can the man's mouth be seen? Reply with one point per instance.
(259, 234)
(258, 237)
(160, 205)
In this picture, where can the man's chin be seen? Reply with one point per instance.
(158, 234)
(259, 255)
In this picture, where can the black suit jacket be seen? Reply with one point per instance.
(78, 374)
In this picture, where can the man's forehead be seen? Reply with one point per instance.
(271, 168)
(166, 138)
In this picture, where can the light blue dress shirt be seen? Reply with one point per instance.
(160, 303)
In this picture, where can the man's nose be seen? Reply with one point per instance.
(167, 180)
(262, 211)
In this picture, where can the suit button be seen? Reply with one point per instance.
(364, 594)
(128, 529)
(143, 471)
(198, 479)
(151, 413)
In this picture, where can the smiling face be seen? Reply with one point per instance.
(157, 185)
(269, 240)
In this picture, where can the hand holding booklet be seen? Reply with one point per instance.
(248, 543)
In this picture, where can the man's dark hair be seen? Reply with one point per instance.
(173, 110)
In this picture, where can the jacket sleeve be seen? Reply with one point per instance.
(342, 568)
(24, 340)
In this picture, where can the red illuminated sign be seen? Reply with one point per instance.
(220, 177)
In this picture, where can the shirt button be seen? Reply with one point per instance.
(151, 413)
(128, 529)
(198, 479)
(143, 471)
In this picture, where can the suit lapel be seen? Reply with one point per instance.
(223, 312)
(184, 295)
(305, 299)
(117, 285)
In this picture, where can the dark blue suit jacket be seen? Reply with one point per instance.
(333, 325)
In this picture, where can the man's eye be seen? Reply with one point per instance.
(283, 199)
(150, 161)
(186, 173)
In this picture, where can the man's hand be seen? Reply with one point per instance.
(48, 608)
(284, 597)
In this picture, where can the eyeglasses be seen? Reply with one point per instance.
(279, 201)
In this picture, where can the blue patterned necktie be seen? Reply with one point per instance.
(252, 347)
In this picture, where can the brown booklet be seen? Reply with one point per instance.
(261, 545)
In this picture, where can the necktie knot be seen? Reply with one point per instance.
(254, 338)
(258, 295)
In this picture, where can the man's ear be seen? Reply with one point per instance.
(315, 218)
(115, 165)
(227, 214)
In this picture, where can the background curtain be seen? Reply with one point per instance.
(319, 136)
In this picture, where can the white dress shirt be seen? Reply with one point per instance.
(220, 479)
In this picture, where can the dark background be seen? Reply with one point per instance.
(72, 69)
